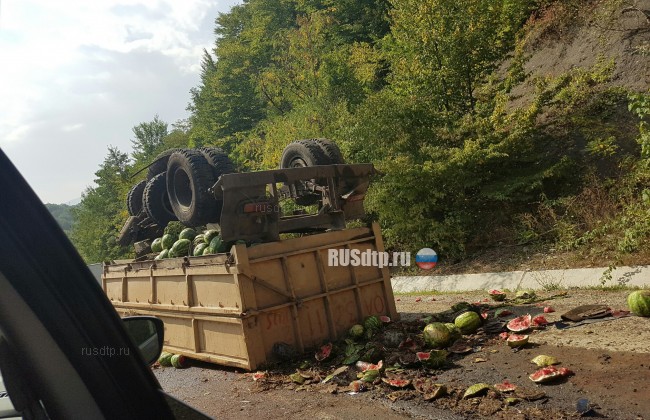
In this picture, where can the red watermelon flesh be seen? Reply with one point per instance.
(539, 321)
(364, 366)
(549, 373)
(324, 352)
(520, 324)
(397, 383)
(384, 319)
(505, 386)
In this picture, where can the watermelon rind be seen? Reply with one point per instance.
(516, 340)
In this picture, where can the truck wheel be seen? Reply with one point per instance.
(159, 164)
(189, 175)
(303, 153)
(219, 160)
(331, 150)
(134, 198)
(156, 201)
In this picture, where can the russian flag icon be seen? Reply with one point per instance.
(426, 258)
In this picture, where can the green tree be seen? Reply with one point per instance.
(149, 136)
(102, 211)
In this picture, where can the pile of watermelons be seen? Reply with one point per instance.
(188, 243)
(176, 360)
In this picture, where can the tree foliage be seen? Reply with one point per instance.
(422, 89)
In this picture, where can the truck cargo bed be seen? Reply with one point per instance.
(231, 309)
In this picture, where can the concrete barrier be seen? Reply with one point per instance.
(543, 279)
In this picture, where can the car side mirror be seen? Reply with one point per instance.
(147, 333)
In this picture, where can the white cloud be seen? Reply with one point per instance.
(80, 74)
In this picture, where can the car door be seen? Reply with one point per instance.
(63, 350)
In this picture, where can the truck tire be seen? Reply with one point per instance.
(189, 175)
(219, 160)
(134, 198)
(331, 150)
(301, 153)
(159, 164)
(156, 201)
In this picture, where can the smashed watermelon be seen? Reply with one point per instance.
(397, 382)
(539, 321)
(548, 374)
(520, 324)
(505, 386)
(497, 295)
(436, 335)
(324, 353)
(516, 340)
(432, 359)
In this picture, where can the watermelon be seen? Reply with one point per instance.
(165, 359)
(454, 332)
(468, 322)
(209, 235)
(356, 331)
(520, 324)
(198, 250)
(497, 295)
(216, 245)
(516, 340)
(639, 302)
(156, 245)
(372, 323)
(206, 251)
(167, 241)
(178, 361)
(436, 335)
(163, 254)
(187, 233)
(181, 248)
(198, 239)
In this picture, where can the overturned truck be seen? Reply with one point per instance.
(200, 187)
(264, 297)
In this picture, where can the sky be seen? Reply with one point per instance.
(77, 75)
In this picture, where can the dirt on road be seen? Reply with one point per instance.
(610, 359)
